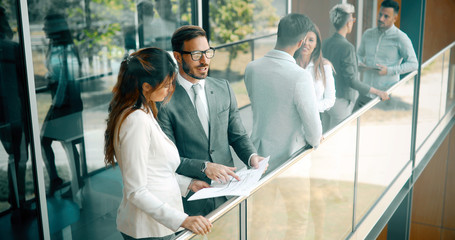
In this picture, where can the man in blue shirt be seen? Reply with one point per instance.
(385, 52)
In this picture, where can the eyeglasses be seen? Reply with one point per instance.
(197, 55)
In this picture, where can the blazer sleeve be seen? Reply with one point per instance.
(350, 73)
(135, 139)
(184, 183)
(187, 167)
(237, 135)
(306, 104)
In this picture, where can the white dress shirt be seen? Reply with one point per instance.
(151, 204)
(325, 92)
(187, 86)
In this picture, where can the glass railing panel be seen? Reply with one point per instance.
(444, 82)
(226, 227)
(303, 201)
(332, 185)
(449, 69)
(384, 146)
(429, 99)
(281, 208)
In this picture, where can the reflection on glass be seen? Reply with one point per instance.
(64, 67)
(332, 185)
(16, 180)
(385, 133)
(450, 69)
(429, 99)
(103, 32)
(226, 227)
(158, 21)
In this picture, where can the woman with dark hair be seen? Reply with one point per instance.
(309, 57)
(152, 205)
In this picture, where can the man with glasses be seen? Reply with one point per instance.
(202, 119)
(385, 51)
(338, 50)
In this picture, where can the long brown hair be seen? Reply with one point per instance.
(316, 56)
(148, 65)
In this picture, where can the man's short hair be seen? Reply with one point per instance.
(185, 33)
(340, 14)
(391, 4)
(292, 28)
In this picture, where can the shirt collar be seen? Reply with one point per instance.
(274, 53)
(187, 84)
(388, 31)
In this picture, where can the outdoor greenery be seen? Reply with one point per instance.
(234, 20)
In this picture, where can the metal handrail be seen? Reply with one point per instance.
(244, 41)
(437, 55)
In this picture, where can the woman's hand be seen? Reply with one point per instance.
(197, 224)
(197, 185)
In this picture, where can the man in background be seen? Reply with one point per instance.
(385, 52)
(338, 50)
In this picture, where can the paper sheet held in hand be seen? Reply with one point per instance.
(248, 180)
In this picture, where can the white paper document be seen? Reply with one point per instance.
(248, 180)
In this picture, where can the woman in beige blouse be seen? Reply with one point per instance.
(151, 207)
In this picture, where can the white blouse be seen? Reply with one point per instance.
(325, 95)
(151, 204)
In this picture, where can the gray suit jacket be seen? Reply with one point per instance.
(180, 122)
(338, 50)
(283, 100)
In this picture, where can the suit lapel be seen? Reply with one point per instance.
(189, 109)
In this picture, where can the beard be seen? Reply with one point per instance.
(190, 73)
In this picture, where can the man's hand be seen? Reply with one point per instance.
(381, 94)
(220, 173)
(197, 185)
(382, 69)
(254, 161)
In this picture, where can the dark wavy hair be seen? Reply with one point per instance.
(148, 65)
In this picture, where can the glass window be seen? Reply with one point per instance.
(77, 49)
(17, 193)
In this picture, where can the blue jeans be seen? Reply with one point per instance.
(168, 237)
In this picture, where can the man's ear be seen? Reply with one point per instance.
(178, 57)
(300, 43)
(395, 17)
